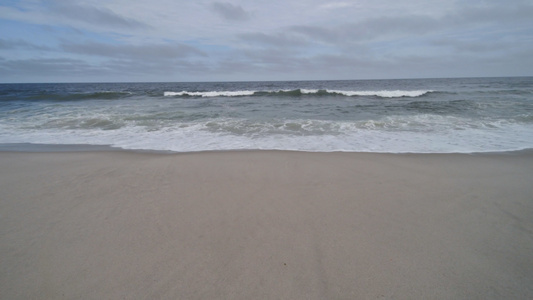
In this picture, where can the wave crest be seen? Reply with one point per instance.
(210, 94)
(301, 92)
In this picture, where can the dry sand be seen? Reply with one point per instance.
(265, 225)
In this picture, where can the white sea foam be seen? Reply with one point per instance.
(383, 93)
(211, 93)
(393, 134)
(309, 91)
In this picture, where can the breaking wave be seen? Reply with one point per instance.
(302, 92)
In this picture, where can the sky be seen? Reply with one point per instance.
(237, 40)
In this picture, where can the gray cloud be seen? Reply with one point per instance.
(156, 68)
(413, 25)
(20, 44)
(271, 57)
(494, 13)
(47, 69)
(398, 25)
(114, 62)
(318, 33)
(75, 70)
(350, 33)
(368, 30)
(278, 39)
(479, 47)
(96, 16)
(150, 52)
(229, 11)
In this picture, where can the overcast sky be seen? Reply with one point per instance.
(178, 40)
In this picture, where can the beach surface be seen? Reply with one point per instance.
(265, 225)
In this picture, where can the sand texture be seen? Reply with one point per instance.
(265, 225)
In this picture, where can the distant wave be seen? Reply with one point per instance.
(211, 94)
(301, 92)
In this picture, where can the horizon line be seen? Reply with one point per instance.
(293, 80)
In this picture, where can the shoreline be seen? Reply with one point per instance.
(53, 148)
(265, 224)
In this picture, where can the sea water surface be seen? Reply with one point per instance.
(397, 116)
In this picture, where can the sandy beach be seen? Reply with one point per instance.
(265, 225)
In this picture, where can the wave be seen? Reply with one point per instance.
(302, 92)
(211, 94)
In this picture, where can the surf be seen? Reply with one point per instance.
(301, 92)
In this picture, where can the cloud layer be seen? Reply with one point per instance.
(164, 40)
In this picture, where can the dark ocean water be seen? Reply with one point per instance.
(416, 115)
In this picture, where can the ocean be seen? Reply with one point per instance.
(463, 115)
